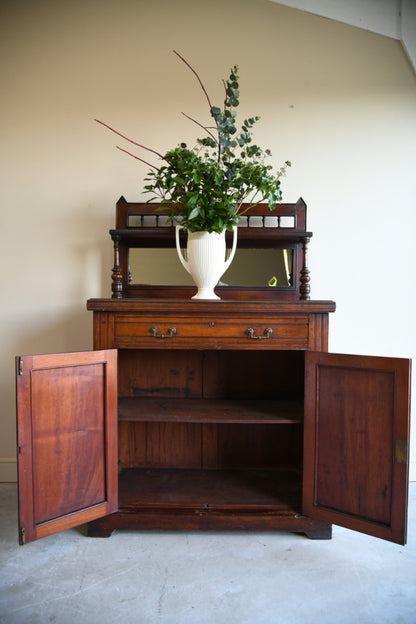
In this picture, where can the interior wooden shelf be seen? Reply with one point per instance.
(142, 488)
(210, 410)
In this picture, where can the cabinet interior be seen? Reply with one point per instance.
(216, 428)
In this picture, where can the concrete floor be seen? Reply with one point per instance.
(204, 578)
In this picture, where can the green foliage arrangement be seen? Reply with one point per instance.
(204, 188)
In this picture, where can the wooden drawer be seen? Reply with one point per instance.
(285, 332)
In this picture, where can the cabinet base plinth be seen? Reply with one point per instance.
(95, 529)
(201, 520)
(323, 532)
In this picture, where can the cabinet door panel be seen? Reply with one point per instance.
(356, 439)
(67, 440)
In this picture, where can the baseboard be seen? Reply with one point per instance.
(8, 470)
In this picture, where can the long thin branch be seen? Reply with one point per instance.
(252, 205)
(200, 125)
(137, 158)
(208, 100)
(197, 77)
(129, 140)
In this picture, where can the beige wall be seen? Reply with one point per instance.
(337, 101)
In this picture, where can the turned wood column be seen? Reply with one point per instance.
(116, 275)
(305, 287)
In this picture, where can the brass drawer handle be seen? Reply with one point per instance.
(170, 334)
(267, 333)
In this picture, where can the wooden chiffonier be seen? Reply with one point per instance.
(213, 415)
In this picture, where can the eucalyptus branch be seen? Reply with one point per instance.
(206, 128)
(225, 89)
(137, 157)
(129, 140)
(219, 151)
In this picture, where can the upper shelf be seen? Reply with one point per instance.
(141, 220)
(209, 410)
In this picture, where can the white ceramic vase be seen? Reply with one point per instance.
(206, 261)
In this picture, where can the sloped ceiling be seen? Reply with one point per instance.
(391, 18)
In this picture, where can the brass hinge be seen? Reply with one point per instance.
(20, 366)
(22, 535)
(400, 452)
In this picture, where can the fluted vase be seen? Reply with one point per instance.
(206, 259)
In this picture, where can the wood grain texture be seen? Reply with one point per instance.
(352, 417)
(67, 439)
(210, 410)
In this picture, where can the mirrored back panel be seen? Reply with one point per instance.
(250, 268)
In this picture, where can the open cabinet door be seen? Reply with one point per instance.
(67, 440)
(356, 442)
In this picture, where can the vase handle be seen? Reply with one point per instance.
(233, 249)
(178, 247)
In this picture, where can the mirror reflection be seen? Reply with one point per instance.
(250, 267)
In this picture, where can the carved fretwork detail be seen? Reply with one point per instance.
(117, 276)
(305, 288)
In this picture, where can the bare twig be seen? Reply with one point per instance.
(129, 140)
(137, 158)
(208, 100)
(200, 125)
(198, 78)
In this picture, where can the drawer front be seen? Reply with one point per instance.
(291, 332)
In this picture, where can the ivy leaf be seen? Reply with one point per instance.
(194, 213)
(272, 200)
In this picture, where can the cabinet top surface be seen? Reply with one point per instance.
(189, 306)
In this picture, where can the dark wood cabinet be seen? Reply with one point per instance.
(212, 415)
(217, 428)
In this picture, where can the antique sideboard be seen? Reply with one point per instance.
(213, 415)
